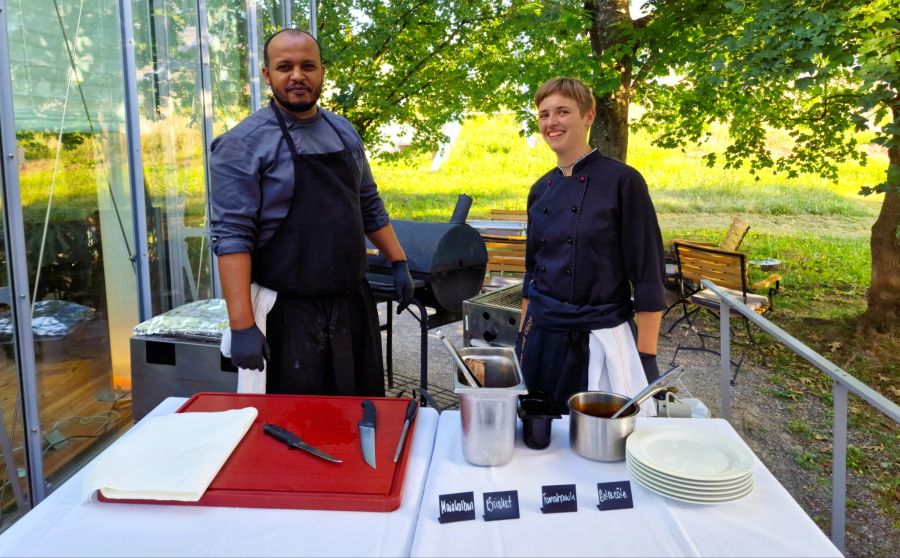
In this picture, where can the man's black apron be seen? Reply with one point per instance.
(323, 330)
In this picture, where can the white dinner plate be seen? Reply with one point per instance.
(690, 493)
(689, 453)
(691, 486)
(688, 483)
(688, 497)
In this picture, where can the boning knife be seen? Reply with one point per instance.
(294, 441)
(367, 432)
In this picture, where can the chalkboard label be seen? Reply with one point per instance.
(614, 495)
(501, 505)
(559, 498)
(456, 507)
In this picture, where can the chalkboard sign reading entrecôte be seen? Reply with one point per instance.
(614, 495)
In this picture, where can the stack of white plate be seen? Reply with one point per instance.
(689, 464)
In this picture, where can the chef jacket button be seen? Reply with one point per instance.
(574, 209)
(582, 179)
(545, 210)
(568, 272)
(543, 241)
(570, 241)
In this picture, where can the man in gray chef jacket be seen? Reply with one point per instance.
(293, 199)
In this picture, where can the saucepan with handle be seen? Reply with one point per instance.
(599, 422)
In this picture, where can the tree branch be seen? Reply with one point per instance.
(644, 21)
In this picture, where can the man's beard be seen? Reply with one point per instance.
(299, 107)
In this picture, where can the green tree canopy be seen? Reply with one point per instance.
(820, 71)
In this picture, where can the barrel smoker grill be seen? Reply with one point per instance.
(447, 262)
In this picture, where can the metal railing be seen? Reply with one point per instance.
(844, 383)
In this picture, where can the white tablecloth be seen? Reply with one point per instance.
(768, 522)
(62, 526)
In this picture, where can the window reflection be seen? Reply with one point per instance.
(167, 58)
(67, 98)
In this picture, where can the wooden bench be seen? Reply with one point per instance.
(505, 253)
(508, 215)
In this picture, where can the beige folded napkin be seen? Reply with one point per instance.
(172, 457)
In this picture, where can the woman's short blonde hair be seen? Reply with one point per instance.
(573, 88)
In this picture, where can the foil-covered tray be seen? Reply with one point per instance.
(205, 319)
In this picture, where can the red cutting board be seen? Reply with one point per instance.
(264, 473)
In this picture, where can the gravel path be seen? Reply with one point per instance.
(759, 417)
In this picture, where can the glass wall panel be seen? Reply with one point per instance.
(167, 52)
(229, 62)
(167, 57)
(67, 97)
(299, 13)
(270, 12)
(268, 15)
(14, 488)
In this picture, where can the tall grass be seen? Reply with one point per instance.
(492, 162)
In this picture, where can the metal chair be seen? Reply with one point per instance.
(729, 270)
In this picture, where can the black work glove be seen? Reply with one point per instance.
(403, 284)
(651, 369)
(249, 348)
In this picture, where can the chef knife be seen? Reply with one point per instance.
(367, 432)
(410, 415)
(294, 441)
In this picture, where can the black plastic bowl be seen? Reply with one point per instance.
(537, 411)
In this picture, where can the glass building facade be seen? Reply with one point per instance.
(107, 108)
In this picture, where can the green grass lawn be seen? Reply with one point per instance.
(493, 163)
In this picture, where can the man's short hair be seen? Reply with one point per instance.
(290, 31)
(572, 88)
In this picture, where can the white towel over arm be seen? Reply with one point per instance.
(252, 381)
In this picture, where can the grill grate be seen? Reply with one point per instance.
(508, 298)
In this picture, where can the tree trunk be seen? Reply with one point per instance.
(883, 313)
(609, 132)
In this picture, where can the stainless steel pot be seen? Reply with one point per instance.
(488, 413)
(591, 433)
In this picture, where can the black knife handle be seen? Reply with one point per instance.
(411, 409)
(368, 413)
(280, 433)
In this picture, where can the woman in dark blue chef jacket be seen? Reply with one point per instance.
(594, 259)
